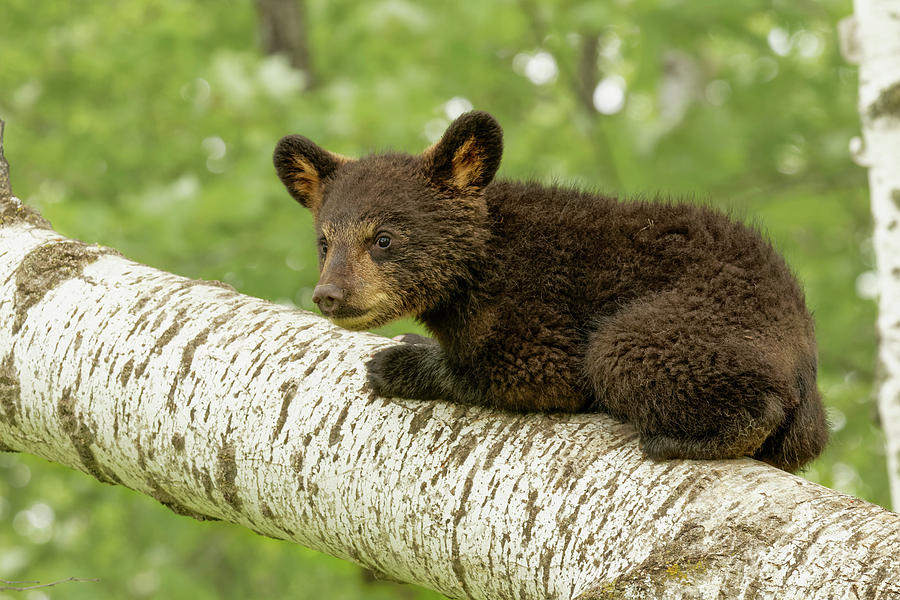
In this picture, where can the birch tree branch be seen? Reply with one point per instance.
(872, 38)
(223, 406)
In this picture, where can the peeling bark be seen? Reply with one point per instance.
(222, 406)
(872, 38)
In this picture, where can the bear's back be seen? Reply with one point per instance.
(592, 254)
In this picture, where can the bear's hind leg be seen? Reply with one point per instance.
(739, 437)
(692, 382)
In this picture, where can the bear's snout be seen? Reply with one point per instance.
(328, 297)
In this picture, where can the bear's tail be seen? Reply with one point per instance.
(803, 435)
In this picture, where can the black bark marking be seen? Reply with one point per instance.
(81, 437)
(178, 442)
(297, 466)
(77, 343)
(141, 321)
(291, 358)
(461, 510)
(531, 512)
(494, 452)
(564, 477)
(288, 391)
(256, 327)
(566, 519)
(334, 435)
(673, 497)
(421, 417)
(47, 266)
(142, 457)
(160, 317)
(455, 561)
(10, 391)
(545, 562)
(887, 104)
(187, 356)
(161, 342)
(226, 473)
(141, 303)
(349, 373)
(125, 373)
(316, 363)
(261, 358)
(895, 197)
(162, 496)
(206, 481)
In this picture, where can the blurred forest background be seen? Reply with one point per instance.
(148, 126)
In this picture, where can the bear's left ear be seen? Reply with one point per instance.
(303, 166)
(468, 154)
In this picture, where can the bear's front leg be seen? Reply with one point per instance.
(421, 371)
(415, 371)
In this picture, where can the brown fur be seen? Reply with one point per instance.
(670, 316)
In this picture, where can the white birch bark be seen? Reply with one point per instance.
(872, 38)
(224, 406)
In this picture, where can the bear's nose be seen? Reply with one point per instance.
(328, 297)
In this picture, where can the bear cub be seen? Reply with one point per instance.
(544, 298)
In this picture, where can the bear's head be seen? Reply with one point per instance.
(397, 234)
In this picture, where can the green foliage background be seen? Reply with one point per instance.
(148, 125)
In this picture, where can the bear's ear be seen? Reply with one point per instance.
(303, 166)
(468, 154)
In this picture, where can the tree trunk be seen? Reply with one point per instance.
(872, 38)
(282, 29)
(227, 407)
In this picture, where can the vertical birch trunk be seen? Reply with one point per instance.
(872, 38)
(5, 189)
(283, 29)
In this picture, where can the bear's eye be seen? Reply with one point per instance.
(383, 241)
(323, 246)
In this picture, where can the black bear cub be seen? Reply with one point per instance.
(543, 298)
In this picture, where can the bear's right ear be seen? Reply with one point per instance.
(303, 166)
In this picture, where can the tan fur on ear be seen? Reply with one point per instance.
(468, 164)
(467, 155)
(304, 167)
(304, 179)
